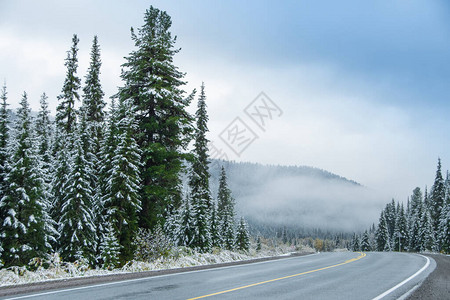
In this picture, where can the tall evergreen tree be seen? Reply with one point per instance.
(154, 84)
(44, 133)
(382, 235)
(444, 227)
(415, 218)
(199, 179)
(390, 215)
(109, 248)
(93, 103)
(437, 197)
(355, 243)
(242, 236)
(61, 168)
(428, 237)
(92, 113)
(184, 224)
(65, 112)
(365, 242)
(4, 153)
(77, 230)
(400, 236)
(122, 203)
(225, 212)
(215, 227)
(24, 231)
(4, 141)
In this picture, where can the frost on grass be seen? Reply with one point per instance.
(53, 268)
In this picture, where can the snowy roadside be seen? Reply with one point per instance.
(182, 258)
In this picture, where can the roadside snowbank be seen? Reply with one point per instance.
(180, 258)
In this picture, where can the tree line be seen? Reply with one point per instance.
(423, 225)
(87, 183)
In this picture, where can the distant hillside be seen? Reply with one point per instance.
(297, 196)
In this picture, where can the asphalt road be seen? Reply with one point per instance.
(343, 275)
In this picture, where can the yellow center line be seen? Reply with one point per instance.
(361, 255)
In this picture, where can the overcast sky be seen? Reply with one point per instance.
(363, 86)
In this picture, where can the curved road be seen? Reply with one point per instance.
(343, 275)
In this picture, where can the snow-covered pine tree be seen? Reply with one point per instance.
(390, 214)
(355, 243)
(65, 112)
(92, 113)
(437, 198)
(414, 220)
(242, 236)
(61, 169)
(44, 132)
(365, 242)
(428, 240)
(258, 243)
(24, 232)
(4, 153)
(122, 203)
(400, 237)
(444, 227)
(382, 235)
(109, 248)
(225, 212)
(76, 226)
(184, 227)
(4, 141)
(199, 179)
(155, 84)
(284, 236)
(215, 227)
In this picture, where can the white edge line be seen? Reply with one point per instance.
(404, 281)
(148, 278)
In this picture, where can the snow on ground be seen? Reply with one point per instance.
(180, 258)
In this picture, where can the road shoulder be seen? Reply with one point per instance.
(437, 284)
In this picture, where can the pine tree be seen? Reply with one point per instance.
(122, 202)
(110, 248)
(382, 235)
(215, 227)
(415, 215)
(444, 227)
(428, 240)
(400, 237)
(77, 230)
(199, 179)
(242, 236)
(437, 198)
(258, 244)
(4, 153)
(92, 113)
(61, 169)
(4, 141)
(154, 85)
(65, 112)
(24, 232)
(355, 243)
(365, 242)
(390, 215)
(225, 212)
(184, 227)
(93, 103)
(44, 132)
